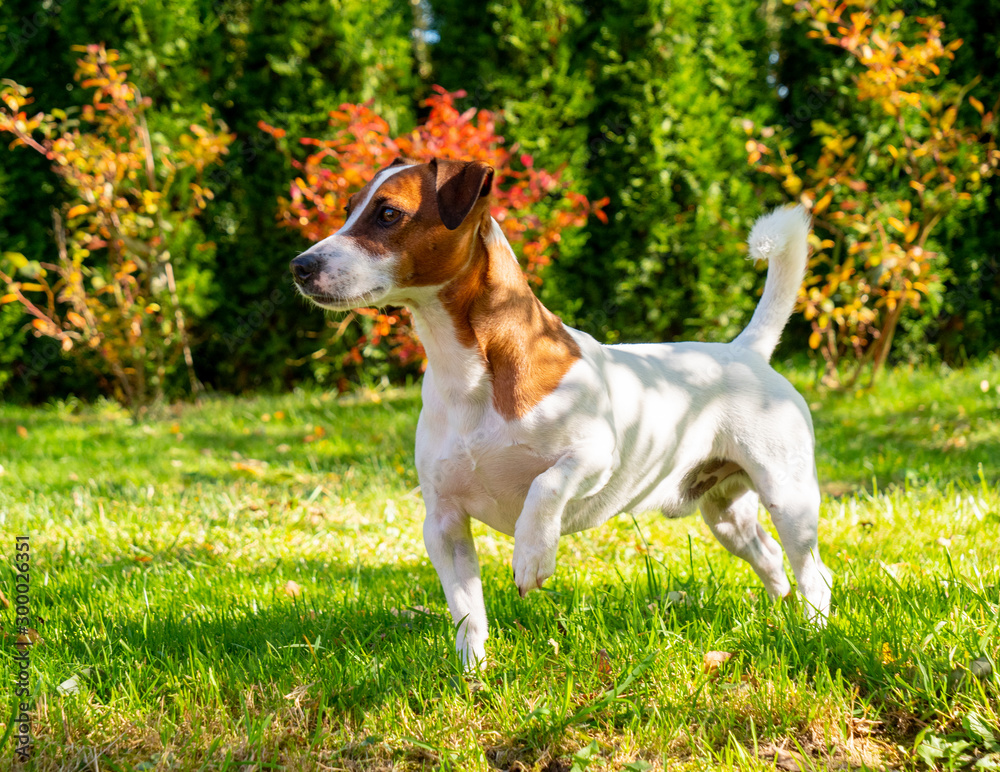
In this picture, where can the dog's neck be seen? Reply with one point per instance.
(460, 373)
(487, 337)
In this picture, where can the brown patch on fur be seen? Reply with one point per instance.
(429, 253)
(465, 290)
(527, 347)
(705, 476)
(404, 192)
(459, 187)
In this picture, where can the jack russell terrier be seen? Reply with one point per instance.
(538, 430)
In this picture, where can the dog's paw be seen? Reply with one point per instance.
(471, 648)
(533, 564)
(473, 662)
(473, 657)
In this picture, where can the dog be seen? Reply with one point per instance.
(538, 430)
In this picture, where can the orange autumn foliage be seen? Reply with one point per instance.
(871, 259)
(109, 296)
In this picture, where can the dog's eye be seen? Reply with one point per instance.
(388, 215)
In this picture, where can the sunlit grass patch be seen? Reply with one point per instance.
(243, 584)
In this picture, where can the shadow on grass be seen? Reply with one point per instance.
(900, 448)
(347, 634)
(365, 636)
(361, 643)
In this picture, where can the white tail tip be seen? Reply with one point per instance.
(772, 233)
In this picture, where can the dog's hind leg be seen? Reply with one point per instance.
(733, 519)
(794, 508)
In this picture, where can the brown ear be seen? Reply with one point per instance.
(460, 184)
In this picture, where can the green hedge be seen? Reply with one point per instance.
(639, 101)
(818, 77)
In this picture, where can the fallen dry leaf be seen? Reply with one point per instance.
(292, 589)
(959, 441)
(22, 432)
(713, 660)
(251, 465)
(603, 662)
(72, 684)
(299, 692)
(28, 638)
(791, 761)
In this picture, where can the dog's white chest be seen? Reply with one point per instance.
(487, 480)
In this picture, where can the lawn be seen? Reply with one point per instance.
(242, 584)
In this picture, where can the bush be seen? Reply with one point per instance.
(111, 297)
(641, 103)
(883, 181)
(287, 65)
(819, 77)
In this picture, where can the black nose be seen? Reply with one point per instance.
(303, 267)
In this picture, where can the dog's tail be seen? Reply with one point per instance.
(780, 238)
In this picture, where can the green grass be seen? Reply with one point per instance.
(163, 555)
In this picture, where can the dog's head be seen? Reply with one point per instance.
(411, 226)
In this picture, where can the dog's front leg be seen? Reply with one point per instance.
(540, 524)
(448, 539)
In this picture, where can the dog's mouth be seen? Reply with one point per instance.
(345, 302)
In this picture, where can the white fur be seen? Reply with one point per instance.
(781, 234)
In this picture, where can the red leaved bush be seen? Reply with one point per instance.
(533, 206)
